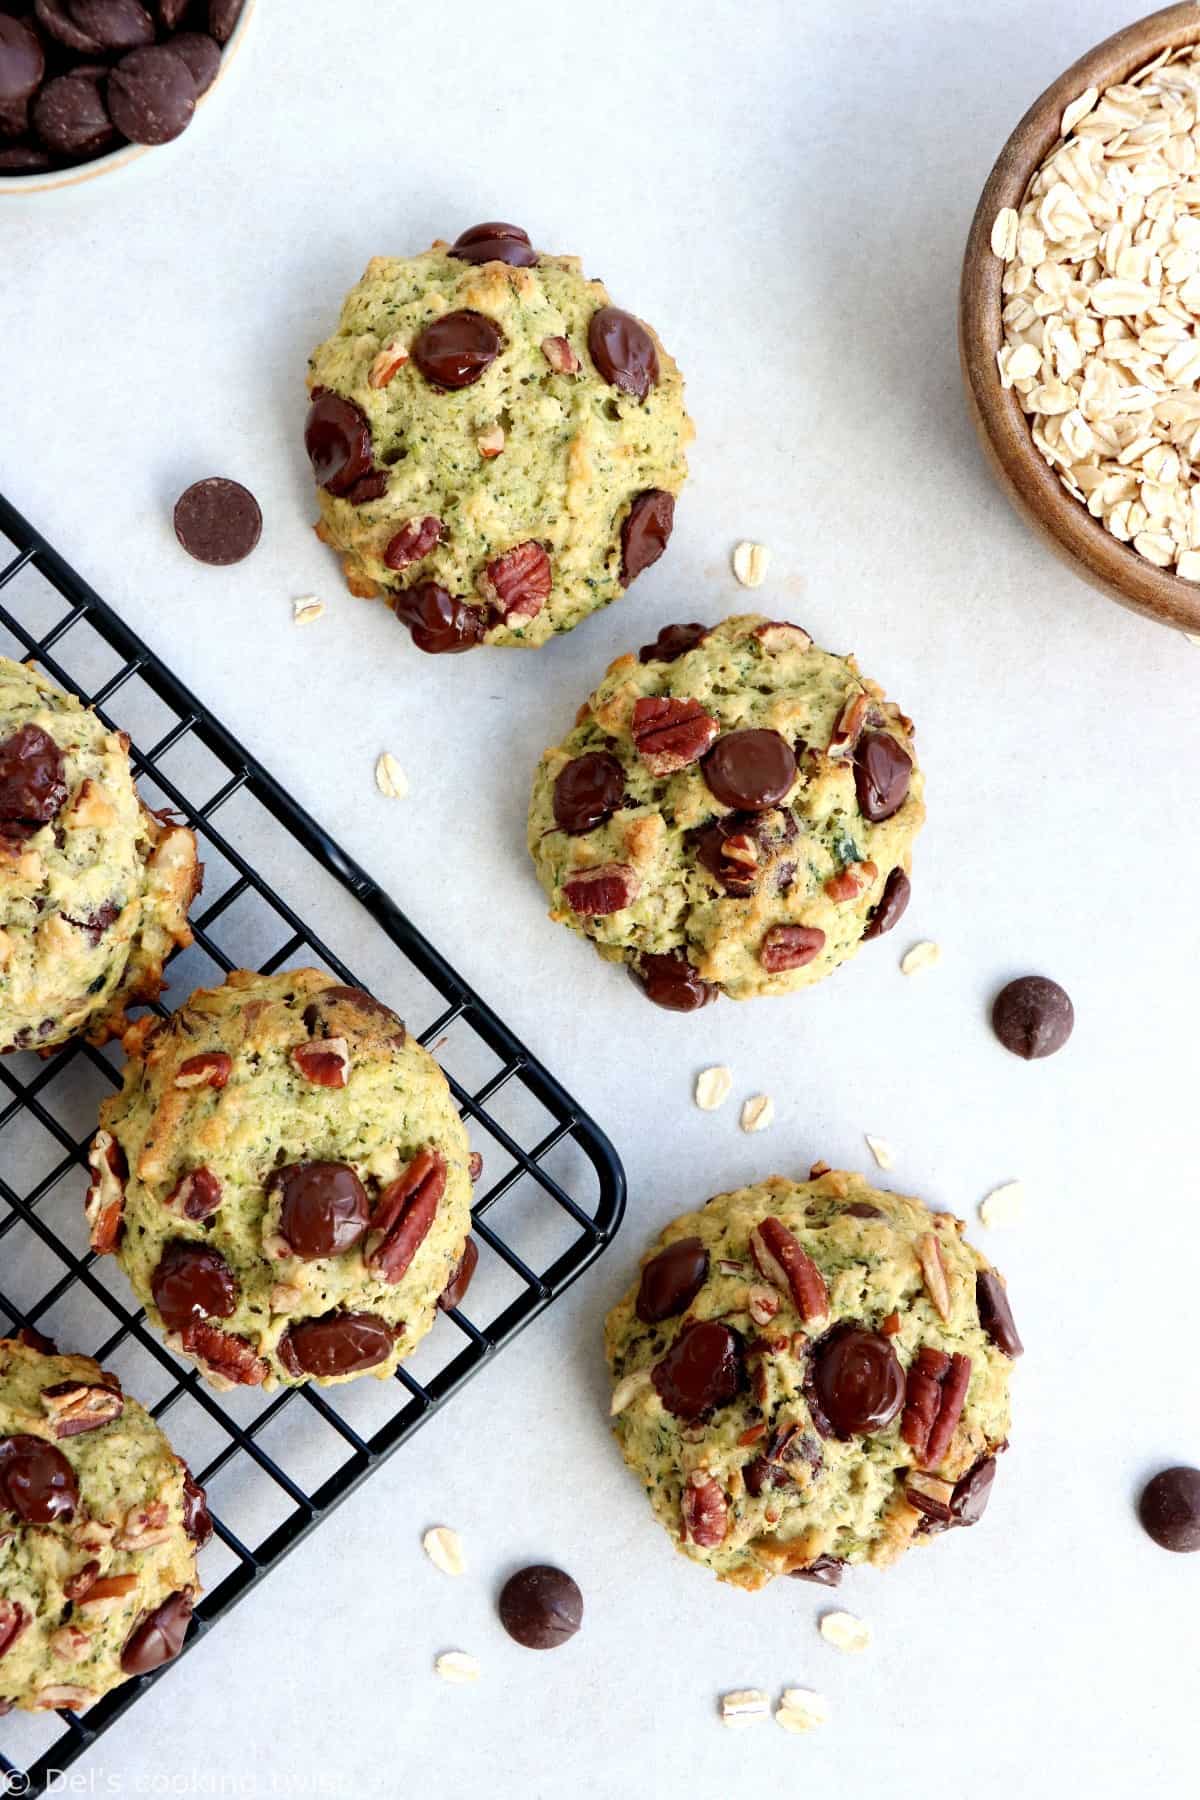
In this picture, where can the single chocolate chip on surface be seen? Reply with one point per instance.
(671, 1280)
(541, 1607)
(454, 350)
(37, 1483)
(151, 95)
(337, 438)
(71, 117)
(494, 242)
(623, 351)
(672, 642)
(646, 532)
(218, 521)
(1033, 1016)
(857, 1382)
(587, 791)
(201, 53)
(750, 770)
(22, 61)
(1169, 1508)
(192, 1282)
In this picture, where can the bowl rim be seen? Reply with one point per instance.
(52, 181)
(1031, 484)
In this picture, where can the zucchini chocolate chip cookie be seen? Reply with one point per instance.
(100, 1522)
(732, 814)
(498, 447)
(810, 1374)
(94, 888)
(285, 1180)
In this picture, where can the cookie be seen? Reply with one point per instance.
(94, 888)
(732, 814)
(498, 448)
(284, 1179)
(809, 1374)
(100, 1522)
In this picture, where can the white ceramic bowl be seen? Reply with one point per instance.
(51, 180)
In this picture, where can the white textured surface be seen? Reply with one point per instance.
(784, 190)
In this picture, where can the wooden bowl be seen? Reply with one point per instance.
(1033, 487)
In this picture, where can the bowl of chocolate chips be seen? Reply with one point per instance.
(87, 86)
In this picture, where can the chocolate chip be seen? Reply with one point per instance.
(95, 923)
(202, 55)
(454, 350)
(37, 1483)
(23, 159)
(541, 1607)
(113, 25)
(750, 769)
(891, 906)
(33, 781)
(316, 1021)
(57, 18)
(192, 1282)
(494, 242)
(862, 1209)
(995, 1314)
(701, 1371)
(37, 1340)
(857, 1382)
(22, 61)
(151, 95)
(623, 351)
(1033, 1016)
(1169, 1508)
(338, 440)
(70, 116)
(882, 772)
(670, 980)
(646, 532)
(223, 16)
(371, 486)
(438, 623)
(587, 792)
(197, 1520)
(159, 1637)
(672, 642)
(455, 1289)
(218, 521)
(171, 12)
(323, 1207)
(826, 1570)
(968, 1503)
(671, 1280)
(338, 1343)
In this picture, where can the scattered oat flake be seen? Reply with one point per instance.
(921, 956)
(457, 1667)
(750, 563)
(307, 609)
(881, 1150)
(1078, 109)
(758, 1112)
(801, 1709)
(490, 443)
(444, 1549)
(1004, 234)
(627, 1389)
(1192, 637)
(712, 1087)
(745, 1706)
(390, 778)
(1005, 1205)
(845, 1632)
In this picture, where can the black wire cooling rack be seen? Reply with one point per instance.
(550, 1197)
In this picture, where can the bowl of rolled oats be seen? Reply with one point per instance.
(1079, 316)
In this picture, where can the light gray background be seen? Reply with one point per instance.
(784, 190)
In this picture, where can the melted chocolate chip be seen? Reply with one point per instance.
(323, 1207)
(670, 980)
(316, 1022)
(455, 1289)
(338, 1343)
(971, 1494)
(159, 1637)
(623, 351)
(197, 1520)
(671, 1280)
(857, 1382)
(750, 769)
(1169, 1508)
(192, 1282)
(646, 532)
(37, 1483)
(218, 521)
(995, 1314)
(454, 350)
(826, 1570)
(770, 831)
(700, 1372)
(672, 642)
(587, 791)
(495, 242)
(882, 772)
(891, 906)
(338, 440)
(151, 95)
(1033, 1017)
(33, 781)
(438, 623)
(541, 1607)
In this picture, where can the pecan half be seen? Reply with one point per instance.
(933, 1401)
(605, 889)
(781, 634)
(324, 1061)
(102, 1596)
(212, 1069)
(517, 583)
(415, 539)
(929, 1254)
(850, 722)
(850, 882)
(780, 1259)
(104, 1202)
(393, 356)
(402, 1218)
(954, 1393)
(704, 1511)
(670, 734)
(790, 947)
(75, 1406)
(196, 1195)
(224, 1355)
(13, 1620)
(559, 354)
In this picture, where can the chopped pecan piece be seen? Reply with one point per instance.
(404, 1214)
(104, 1202)
(196, 1195)
(891, 1325)
(704, 1510)
(70, 1643)
(670, 734)
(929, 1254)
(415, 539)
(781, 634)
(75, 1406)
(762, 1303)
(605, 889)
(324, 1061)
(78, 1584)
(851, 720)
(393, 356)
(13, 1620)
(517, 583)
(559, 354)
(212, 1069)
(105, 1595)
(781, 1260)
(790, 947)
(63, 1696)
(144, 1527)
(223, 1354)
(852, 881)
